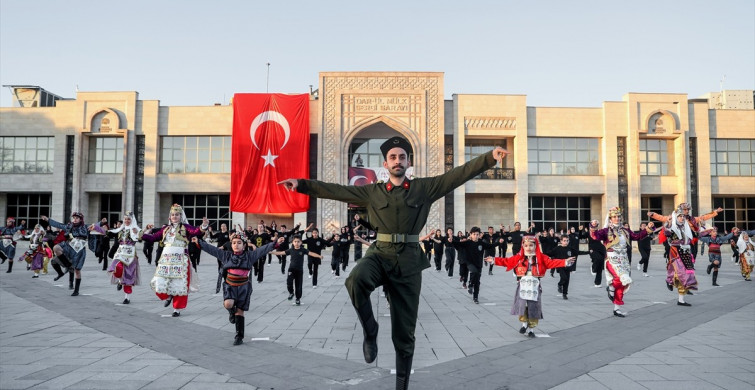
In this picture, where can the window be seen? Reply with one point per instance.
(739, 212)
(213, 206)
(195, 155)
(29, 207)
(563, 156)
(474, 148)
(105, 155)
(27, 154)
(654, 157)
(110, 208)
(732, 157)
(559, 212)
(648, 204)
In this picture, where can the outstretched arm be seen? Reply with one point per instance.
(441, 185)
(352, 194)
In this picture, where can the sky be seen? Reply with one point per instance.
(558, 53)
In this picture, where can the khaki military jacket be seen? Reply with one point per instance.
(399, 209)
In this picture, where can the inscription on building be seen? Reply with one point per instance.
(381, 104)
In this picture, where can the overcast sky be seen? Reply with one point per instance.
(558, 53)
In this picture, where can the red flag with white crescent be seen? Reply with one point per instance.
(270, 144)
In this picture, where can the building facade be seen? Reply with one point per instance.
(105, 152)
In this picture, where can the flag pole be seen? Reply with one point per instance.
(267, 82)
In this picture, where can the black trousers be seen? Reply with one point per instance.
(334, 265)
(598, 263)
(645, 254)
(345, 260)
(294, 281)
(282, 259)
(463, 272)
(474, 283)
(313, 268)
(450, 259)
(357, 251)
(438, 259)
(563, 281)
(259, 268)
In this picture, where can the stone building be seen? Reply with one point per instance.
(104, 152)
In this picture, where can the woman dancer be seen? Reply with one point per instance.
(174, 279)
(73, 250)
(615, 238)
(8, 244)
(746, 248)
(36, 253)
(124, 269)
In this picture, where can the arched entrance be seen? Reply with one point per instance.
(365, 161)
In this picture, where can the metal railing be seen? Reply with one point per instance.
(497, 174)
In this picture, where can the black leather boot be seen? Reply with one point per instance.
(370, 331)
(232, 315)
(403, 369)
(76, 289)
(70, 280)
(710, 267)
(59, 270)
(10, 267)
(715, 277)
(239, 331)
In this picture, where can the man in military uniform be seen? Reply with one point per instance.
(398, 209)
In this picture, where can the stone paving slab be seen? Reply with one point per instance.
(318, 345)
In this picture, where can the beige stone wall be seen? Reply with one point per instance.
(485, 210)
(336, 117)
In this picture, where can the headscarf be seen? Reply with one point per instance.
(177, 208)
(614, 211)
(129, 228)
(677, 228)
(742, 244)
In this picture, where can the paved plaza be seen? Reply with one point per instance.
(50, 340)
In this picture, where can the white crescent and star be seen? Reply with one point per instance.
(355, 178)
(258, 121)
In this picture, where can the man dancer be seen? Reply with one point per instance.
(563, 251)
(399, 210)
(643, 246)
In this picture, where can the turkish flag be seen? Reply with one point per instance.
(361, 176)
(270, 144)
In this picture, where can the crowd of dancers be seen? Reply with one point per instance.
(241, 254)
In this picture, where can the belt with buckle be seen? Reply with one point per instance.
(398, 238)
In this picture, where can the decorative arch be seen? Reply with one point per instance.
(661, 122)
(105, 121)
(399, 127)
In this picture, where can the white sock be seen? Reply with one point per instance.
(524, 324)
(128, 295)
(616, 307)
(681, 298)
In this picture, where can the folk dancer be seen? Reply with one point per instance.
(529, 265)
(174, 279)
(714, 242)
(71, 253)
(8, 244)
(125, 270)
(237, 287)
(615, 238)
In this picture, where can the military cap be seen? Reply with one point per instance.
(396, 142)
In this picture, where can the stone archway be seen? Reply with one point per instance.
(411, 103)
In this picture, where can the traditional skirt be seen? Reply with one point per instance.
(126, 256)
(534, 308)
(678, 270)
(172, 272)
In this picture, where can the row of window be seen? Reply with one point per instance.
(546, 155)
(546, 212)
